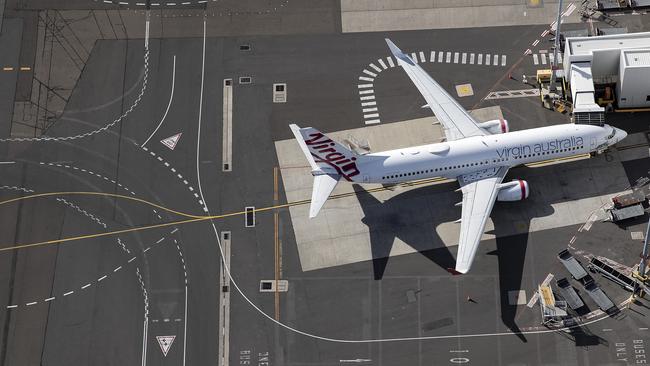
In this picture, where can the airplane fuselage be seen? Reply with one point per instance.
(455, 158)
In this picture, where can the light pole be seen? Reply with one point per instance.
(552, 87)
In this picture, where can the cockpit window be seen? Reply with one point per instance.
(611, 135)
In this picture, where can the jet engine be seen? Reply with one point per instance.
(496, 126)
(516, 190)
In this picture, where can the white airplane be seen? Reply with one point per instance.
(477, 154)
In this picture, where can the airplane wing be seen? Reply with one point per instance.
(480, 191)
(456, 122)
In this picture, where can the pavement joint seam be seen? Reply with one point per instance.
(101, 129)
(367, 78)
(177, 175)
(97, 281)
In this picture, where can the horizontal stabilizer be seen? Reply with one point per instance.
(323, 186)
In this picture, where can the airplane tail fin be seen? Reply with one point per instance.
(329, 161)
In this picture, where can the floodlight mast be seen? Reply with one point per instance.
(554, 64)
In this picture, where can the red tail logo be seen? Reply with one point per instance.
(327, 154)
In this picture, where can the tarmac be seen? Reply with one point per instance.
(108, 299)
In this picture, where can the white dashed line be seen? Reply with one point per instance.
(69, 293)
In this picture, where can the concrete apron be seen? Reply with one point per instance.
(418, 218)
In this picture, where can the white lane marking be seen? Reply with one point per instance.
(85, 286)
(383, 65)
(7, 162)
(536, 42)
(543, 56)
(363, 78)
(117, 268)
(31, 303)
(414, 57)
(503, 60)
(448, 57)
(69, 293)
(198, 172)
(487, 59)
(362, 86)
(161, 239)
(366, 104)
(480, 59)
(175, 230)
(11, 306)
(366, 91)
(366, 110)
(441, 55)
(535, 59)
(369, 73)
(372, 121)
(544, 33)
(373, 115)
(101, 278)
(496, 60)
(471, 58)
(569, 10)
(375, 67)
(390, 61)
(456, 54)
(463, 59)
(50, 299)
(433, 56)
(367, 97)
(422, 58)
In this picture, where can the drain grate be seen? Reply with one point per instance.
(250, 216)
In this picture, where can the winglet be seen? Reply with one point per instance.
(398, 53)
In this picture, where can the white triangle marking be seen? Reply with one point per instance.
(165, 343)
(171, 141)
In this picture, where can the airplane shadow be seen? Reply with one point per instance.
(402, 217)
(413, 216)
